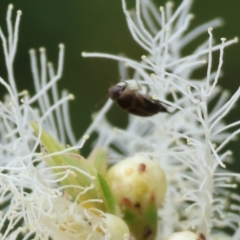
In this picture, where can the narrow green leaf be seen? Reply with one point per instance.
(108, 196)
(98, 159)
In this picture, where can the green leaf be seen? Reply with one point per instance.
(83, 174)
(108, 196)
(98, 159)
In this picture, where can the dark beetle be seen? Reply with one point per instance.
(129, 99)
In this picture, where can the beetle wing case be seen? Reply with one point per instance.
(139, 104)
(129, 99)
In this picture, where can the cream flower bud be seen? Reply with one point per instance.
(117, 228)
(186, 235)
(137, 181)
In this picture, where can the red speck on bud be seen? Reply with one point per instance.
(126, 202)
(142, 168)
(137, 205)
(201, 237)
(152, 198)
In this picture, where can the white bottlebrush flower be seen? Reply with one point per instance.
(189, 142)
(33, 203)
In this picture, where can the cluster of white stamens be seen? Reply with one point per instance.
(189, 142)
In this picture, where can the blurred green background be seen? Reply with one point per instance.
(100, 26)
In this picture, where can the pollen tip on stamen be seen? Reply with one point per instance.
(42, 49)
(204, 61)
(49, 64)
(143, 57)
(22, 100)
(170, 4)
(191, 16)
(236, 39)
(229, 153)
(154, 97)
(86, 137)
(74, 175)
(20, 229)
(197, 102)
(61, 46)
(10, 6)
(25, 92)
(68, 172)
(161, 8)
(71, 96)
(172, 90)
(229, 180)
(223, 39)
(115, 129)
(132, 13)
(83, 54)
(234, 185)
(126, 64)
(223, 165)
(152, 75)
(19, 12)
(32, 51)
(210, 29)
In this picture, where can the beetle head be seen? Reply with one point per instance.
(116, 90)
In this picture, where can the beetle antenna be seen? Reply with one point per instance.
(100, 101)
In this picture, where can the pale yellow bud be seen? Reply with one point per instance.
(117, 228)
(137, 181)
(185, 235)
